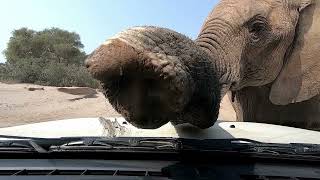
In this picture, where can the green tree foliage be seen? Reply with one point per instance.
(49, 57)
(54, 45)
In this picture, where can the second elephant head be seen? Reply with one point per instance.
(154, 75)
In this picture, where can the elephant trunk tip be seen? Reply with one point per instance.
(154, 75)
(148, 90)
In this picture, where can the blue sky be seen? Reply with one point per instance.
(98, 20)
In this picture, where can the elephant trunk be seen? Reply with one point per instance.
(217, 40)
(154, 75)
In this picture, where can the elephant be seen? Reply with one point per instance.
(263, 53)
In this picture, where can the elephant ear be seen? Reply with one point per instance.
(299, 79)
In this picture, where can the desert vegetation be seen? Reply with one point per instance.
(52, 57)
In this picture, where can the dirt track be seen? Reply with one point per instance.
(28, 103)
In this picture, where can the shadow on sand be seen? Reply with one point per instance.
(84, 92)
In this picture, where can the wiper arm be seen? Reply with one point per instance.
(20, 146)
(9, 144)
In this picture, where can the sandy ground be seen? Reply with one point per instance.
(28, 103)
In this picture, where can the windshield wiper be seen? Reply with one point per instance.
(250, 146)
(105, 144)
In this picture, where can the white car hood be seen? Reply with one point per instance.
(118, 127)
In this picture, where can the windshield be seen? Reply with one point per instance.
(191, 69)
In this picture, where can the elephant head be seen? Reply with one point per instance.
(267, 42)
(154, 75)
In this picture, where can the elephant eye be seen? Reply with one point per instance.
(256, 30)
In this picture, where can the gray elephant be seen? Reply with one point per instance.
(266, 53)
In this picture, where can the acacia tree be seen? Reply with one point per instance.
(49, 45)
(50, 57)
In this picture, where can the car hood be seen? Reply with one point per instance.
(118, 127)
